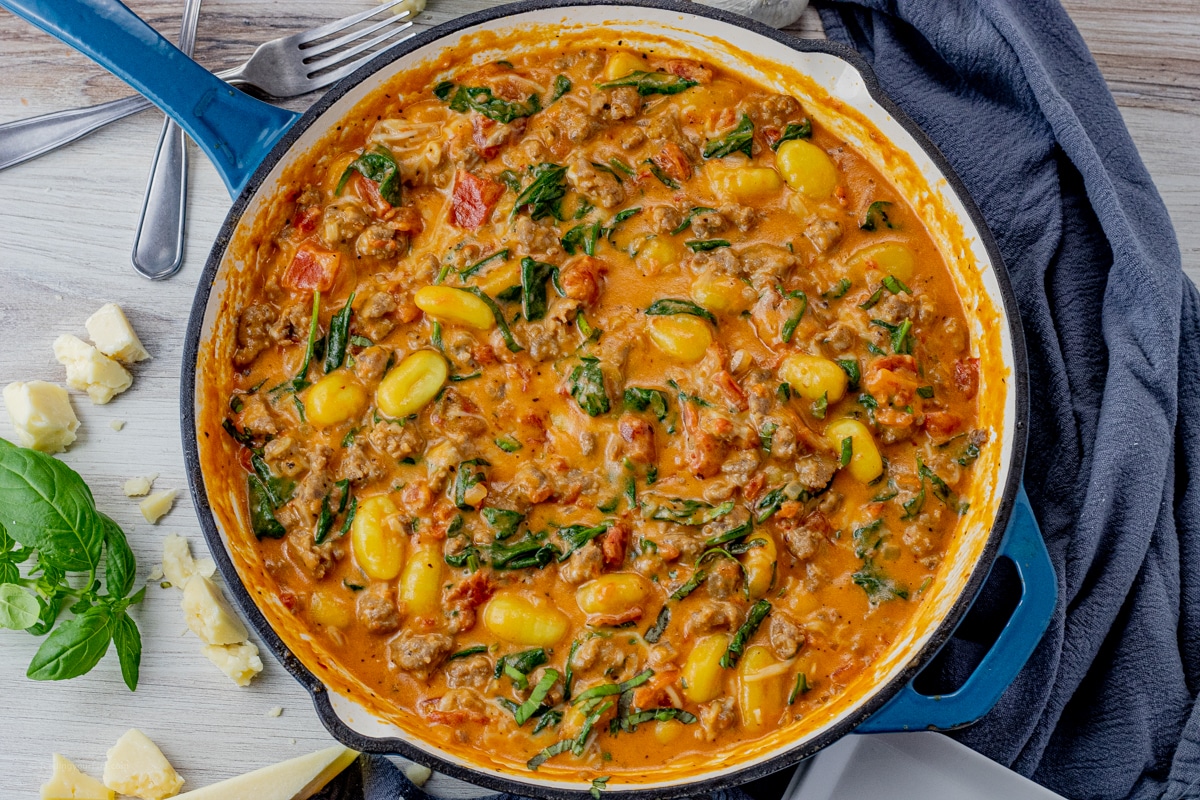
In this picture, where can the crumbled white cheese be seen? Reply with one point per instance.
(209, 615)
(178, 565)
(275, 712)
(41, 415)
(413, 7)
(296, 779)
(117, 424)
(157, 505)
(239, 661)
(68, 783)
(418, 773)
(139, 487)
(113, 335)
(156, 574)
(137, 767)
(89, 370)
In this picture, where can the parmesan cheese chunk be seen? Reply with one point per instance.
(113, 335)
(297, 779)
(68, 783)
(41, 415)
(239, 661)
(419, 774)
(137, 767)
(178, 565)
(139, 487)
(89, 370)
(209, 615)
(157, 505)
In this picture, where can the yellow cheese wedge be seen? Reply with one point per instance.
(41, 415)
(89, 370)
(114, 336)
(138, 768)
(68, 783)
(239, 661)
(209, 615)
(297, 779)
(156, 505)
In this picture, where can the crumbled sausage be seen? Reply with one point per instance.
(397, 440)
(803, 537)
(638, 437)
(376, 607)
(665, 219)
(252, 335)
(815, 471)
(599, 655)
(257, 417)
(457, 416)
(785, 635)
(824, 234)
(473, 672)
(716, 717)
(341, 223)
(707, 223)
(314, 559)
(583, 565)
(600, 186)
(711, 615)
(724, 579)
(358, 465)
(418, 653)
(284, 457)
(767, 262)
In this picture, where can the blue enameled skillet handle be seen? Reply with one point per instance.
(234, 129)
(1023, 545)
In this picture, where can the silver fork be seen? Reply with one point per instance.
(285, 67)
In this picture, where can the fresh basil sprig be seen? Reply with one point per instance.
(49, 521)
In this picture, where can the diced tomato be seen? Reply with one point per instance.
(966, 376)
(729, 387)
(613, 544)
(473, 200)
(306, 219)
(369, 190)
(941, 423)
(771, 134)
(689, 70)
(312, 269)
(654, 692)
(483, 134)
(472, 592)
(673, 161)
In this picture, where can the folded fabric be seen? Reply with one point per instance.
(1011, 95)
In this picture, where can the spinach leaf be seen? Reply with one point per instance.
(648, 83)
(895, 285)
(658, 715)
(669, 306)
(562, 85)
(481, 100)
(621, 166)
(789, 326)
(262, 512)
(705, 245)
(279, 490)
(534, 275)
(687, 219)
(508, 444)
(379, 166)
(802, 687)
(877, 214)
(660, 625)
(663, 178)
(75, 646)
(587, 387)
(545, 192)
(690, 512)
(466, 478)
(503, 521)
(582, 237)
(792, 131)
(467, 652)
(534, 702)
(501, 322)
(758, 612)
(339, 336)
(640, 399)
(738, 140)
(838, 290)
(532, 551)
(870, 302)
(852, 370)
(576, 536)
(470, 270)
(878, 586)
(692, 585)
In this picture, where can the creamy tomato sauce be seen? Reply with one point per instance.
(600, 409)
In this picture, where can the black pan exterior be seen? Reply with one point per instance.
(700, 785)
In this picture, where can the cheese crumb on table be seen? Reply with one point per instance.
(239, 661)
(296, 779)
(419, 774)
(157, 505)
(89, 370)
(275, 712)
(114, 336)
(209, 615)
(68, 783)
(178, 565)
(139, 487)
(41, 415)
(138, 768)
(117, 424)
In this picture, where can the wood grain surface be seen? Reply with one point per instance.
(66, 226)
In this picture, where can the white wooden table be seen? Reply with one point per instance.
(66, 224)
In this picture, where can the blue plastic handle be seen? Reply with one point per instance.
(1022, 544)
(234, 129)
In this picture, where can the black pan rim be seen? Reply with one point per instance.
(687, 787)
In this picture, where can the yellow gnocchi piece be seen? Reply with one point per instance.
(668, 730)
(721, 293)
(500, 278)
(454, 306)
(681, 336)
(813, 376)
(376, 538)
(612, 593)
(888, 258)
(703, 676)
(760, 688)
(336, 398)
(621, 64)
(807, 169)
(421, 583)
(865, 462)
(412, 383)
(760, 564)
(519, 621)
(330, 610)
(743, 184)
(656, 255)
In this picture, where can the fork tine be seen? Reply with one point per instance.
(341, 24)
(352, 36)
(341, 56)
(321, 81)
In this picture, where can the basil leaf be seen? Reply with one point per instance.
(793, 131)
(648, 83)
(838, 290)
(339, 336)
(128, 641)
(504, 522)
(561, 85)
(878, 586)
(18, 608)
(660, 626)
(534, 275)
(669, 306)
(379, 166)
(468, 271)
(876, 214)
(789, 326)
(587, 387)
(690, 512)
(663, 178)
(758, 612)
(120, 567)
(481, 100)
(545, 192)
(621, 166)
(74, 647)
(852, 370)
(639, 399)
(687, 219)
(45, 505)
(527, 709)
(705, 245)
(740, 139)
(262, 513)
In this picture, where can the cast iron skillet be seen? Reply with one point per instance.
(246, 139)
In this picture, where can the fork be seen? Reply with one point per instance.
(285, 67)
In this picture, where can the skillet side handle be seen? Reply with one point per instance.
(235, 130)
(1023, 545)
